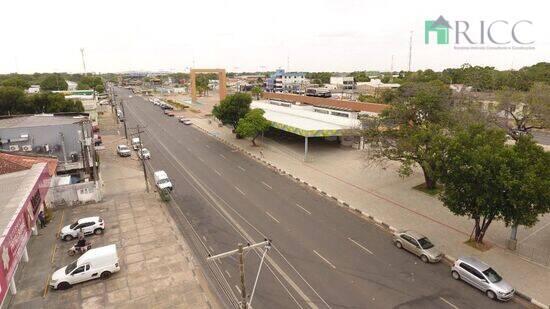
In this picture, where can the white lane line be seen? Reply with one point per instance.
(265, 184)
(204, 237)
(360, 246)
(327, 261)
(308, 212)
(239, 190)
(275, 219)
(201, 159)
(222, 156)
(216, 171)
(211, 250)
(448, 303)
(238, 289)
(207, 146)
(241, 168)
(228, 274)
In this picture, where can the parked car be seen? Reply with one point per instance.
(136, 143)
(123, 151)
(483, 277)
(89, 226)
(162, 181)
(95, 263)
(185, 121)
(144, 153)
(417, 244)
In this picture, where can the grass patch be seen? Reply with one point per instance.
(481, 247)
(433, 192)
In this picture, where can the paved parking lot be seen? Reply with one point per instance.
(157, 268)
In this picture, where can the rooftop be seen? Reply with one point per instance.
(38, 120)
(15, 162)
(328, 103)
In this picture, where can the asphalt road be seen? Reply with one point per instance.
(323, 255)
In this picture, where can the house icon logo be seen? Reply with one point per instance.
(440, 26)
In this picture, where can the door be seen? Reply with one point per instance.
(468, 274)
(409, 243)
(87, 228)
(81, 273)
(479, 280)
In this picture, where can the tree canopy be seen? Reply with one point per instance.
(486, 180)
(233, 108)
(53, 82)
(256, 91)
(91, 82)
(253, 124)
(17, 82)
(14, 101)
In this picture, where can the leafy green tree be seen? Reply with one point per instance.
(12, 101)
(256, 91)
(360, 76)
(90, 82)
(412, 130)
(53, 82)
(201, 83)
(233, 108)
(487, 180)
(253, 124)
(17, 82)
(53, 103)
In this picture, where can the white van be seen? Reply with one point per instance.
(135, 143)
(162, 181)
(95, 263)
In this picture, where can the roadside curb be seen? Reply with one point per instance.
(448, 259)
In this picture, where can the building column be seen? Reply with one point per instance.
(13, 288)
(305, 148)
(25, 255)
(361, 143)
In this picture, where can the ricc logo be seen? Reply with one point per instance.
(498, 32)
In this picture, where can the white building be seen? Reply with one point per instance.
(342, 82)
(374, 86)
(292, 81)
(34, 89)
(71, 85)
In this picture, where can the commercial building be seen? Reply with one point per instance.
(374, 87)
(342, 82)
(295, 82)
(275, 81)
(67, 137)
(22, 196)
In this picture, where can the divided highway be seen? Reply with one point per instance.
(323, 256)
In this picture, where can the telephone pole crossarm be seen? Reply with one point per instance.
(236, 251)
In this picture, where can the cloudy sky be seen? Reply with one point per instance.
(252, 35)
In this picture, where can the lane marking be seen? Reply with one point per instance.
(216, 171)
(228, 274)
(360, 246)
(204, 237)
(207, 146)
(238, 289)
(275, 219)
(239, 190)
(221, 155)
(265, 184)
(241, 168)
(200, 159)
(326, 261)
(211, 250)
(308, 212)
(448, 303)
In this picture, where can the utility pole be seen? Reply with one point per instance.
(410, 50)
(141, 157)
(124, 117)
(266, 244)
(83, 61)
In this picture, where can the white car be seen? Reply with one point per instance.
(95, 263)
(123, 151)
(185, 121)
(89, 226)
(144, 154)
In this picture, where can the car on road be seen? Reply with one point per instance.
(185, 121)
(144, 153)
(95, 263)
(136, 143)
(123, 151)
(483, 277)
(417, 244)
(89, 226)
(162, 181)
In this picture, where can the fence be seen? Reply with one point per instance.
(74, 194)
(539, 255)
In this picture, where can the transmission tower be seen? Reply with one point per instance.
(83, 61)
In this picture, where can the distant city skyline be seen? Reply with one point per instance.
(337, 36)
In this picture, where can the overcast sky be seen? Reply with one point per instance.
(253, 35)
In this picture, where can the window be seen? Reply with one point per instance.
(87, 267)
(70, 267)
(340, 114)
(78, 270)
(425, 243)
(410, 240)
(492, 275)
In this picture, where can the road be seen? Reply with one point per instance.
(323, 255)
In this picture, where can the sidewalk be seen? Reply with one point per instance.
(381, 193)
(157, 267)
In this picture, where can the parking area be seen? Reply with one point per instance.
(157, 268)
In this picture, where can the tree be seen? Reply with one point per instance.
(487, 180)
(91, 82)
(12, 101)
(412, 130)
(16, 82)
(257, 92)
(519, 113)
(232, 108)
(53, 82)
(253, 124)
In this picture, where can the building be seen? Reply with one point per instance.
(22, 196)
(69, 138)
(275, 81)
(34, 89)
(71, 86)
(374, 87)
(294, 82)
(343, 82)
